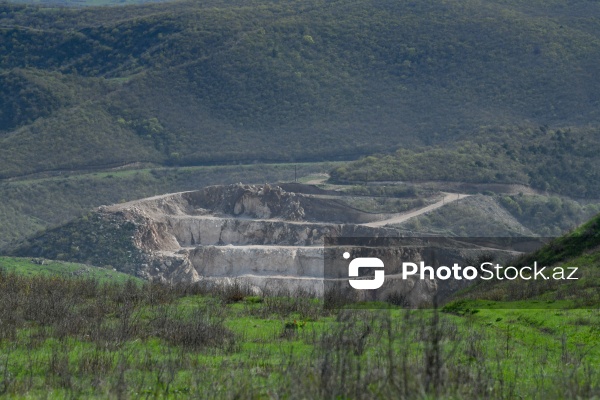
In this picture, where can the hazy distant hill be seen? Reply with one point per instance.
(221, 81)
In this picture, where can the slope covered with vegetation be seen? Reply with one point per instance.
(576, 252)
(86, 3)
(222, 81)
(49, 269)
(585, 239)
(560, 161)
(72, 337)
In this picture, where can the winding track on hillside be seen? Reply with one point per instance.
(402, 217)
(399, 218)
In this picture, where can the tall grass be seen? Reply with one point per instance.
(70, 338)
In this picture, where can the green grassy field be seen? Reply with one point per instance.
(49, 268)
(66, 338)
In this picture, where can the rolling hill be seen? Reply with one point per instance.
(100, 105)
(576, 252)
(189, 83)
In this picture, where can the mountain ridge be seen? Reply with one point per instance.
(186, 83)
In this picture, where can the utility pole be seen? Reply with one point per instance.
(295, 173)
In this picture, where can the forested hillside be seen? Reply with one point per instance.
(560, 161)
(218, 81)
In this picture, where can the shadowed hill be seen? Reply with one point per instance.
(191, 83)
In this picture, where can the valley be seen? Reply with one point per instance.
(184, 186)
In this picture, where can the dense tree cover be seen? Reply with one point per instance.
(23, 100)
(557, 160)
(220, 81)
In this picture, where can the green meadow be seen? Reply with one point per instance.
(68, 336)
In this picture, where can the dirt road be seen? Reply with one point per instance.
(317, 181)
(399, 218)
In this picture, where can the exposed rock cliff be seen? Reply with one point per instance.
(263, 234)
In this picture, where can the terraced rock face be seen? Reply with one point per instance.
(264, 235)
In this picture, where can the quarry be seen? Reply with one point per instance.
(270, 237)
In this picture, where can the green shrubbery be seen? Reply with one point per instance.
(77, 337)
(562, 161)
(203, 82)
(548, 216)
